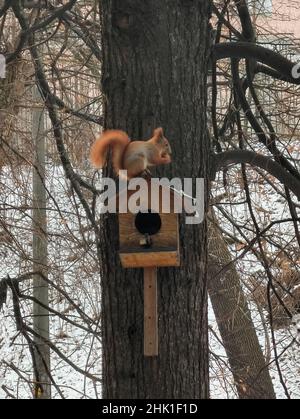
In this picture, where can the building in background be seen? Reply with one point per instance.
(277, 17)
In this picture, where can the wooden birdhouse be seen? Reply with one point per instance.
(150, 238)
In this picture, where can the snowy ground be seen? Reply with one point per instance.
(221, 378)
(83, 351)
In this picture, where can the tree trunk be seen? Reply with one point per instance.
(155, 60)
(40, 257)
(246, 359)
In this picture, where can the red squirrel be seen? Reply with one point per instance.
(135, 157)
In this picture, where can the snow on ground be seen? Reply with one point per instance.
(222, 385)
(72, 268)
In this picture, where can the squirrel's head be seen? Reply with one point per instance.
(162, 142)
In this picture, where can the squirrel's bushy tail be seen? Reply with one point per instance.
(118, 140)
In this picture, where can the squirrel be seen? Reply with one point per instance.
(135, 157)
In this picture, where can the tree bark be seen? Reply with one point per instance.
(246, 359)
(155, 61)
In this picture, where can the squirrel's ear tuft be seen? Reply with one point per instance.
(158, 133)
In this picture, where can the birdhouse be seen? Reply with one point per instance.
(150, 237)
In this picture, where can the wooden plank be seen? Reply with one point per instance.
(150, 259)
(150, 312)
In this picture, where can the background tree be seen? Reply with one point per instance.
(39, 254)
(233, 316)
(150, 68)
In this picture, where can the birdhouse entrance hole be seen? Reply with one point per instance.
(148, 222)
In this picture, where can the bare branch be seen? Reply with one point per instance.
(252, 51)
(24, 35)
(56, 122)
(245, 18)
(254, 159)
(270, 143)
(57, 14)
(222, 19)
